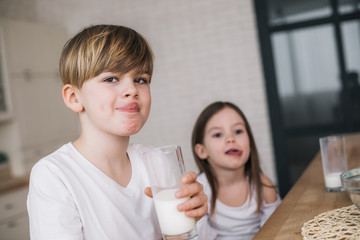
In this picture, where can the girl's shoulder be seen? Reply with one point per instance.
(202, 177)
(268, 189)
(265, 180)
(203, 180)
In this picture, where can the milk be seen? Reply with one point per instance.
(332, 180)
(172, 222)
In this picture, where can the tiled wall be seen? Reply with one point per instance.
(206, 50)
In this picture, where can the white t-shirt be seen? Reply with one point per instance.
(233, 223)
(70, 199)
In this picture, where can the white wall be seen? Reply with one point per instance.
(205, 50)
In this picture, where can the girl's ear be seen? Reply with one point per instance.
(70, 98)
(201, 151)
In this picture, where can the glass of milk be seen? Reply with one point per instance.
(165, 167)
(334, 161)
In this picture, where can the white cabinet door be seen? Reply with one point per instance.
(42, 115)
(14, 220)
(33, 54)
(43, 121)
(34, 47)
(15, 230)
(13, 203)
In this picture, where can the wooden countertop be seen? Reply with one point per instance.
(308, 198)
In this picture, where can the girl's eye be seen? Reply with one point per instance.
(217, 135)
(141, 80)
(239, 131)
(111, 79)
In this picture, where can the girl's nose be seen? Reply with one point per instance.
(230, 138)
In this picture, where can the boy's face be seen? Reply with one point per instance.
(116, 104)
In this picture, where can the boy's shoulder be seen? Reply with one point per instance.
(62, 150)
(60, 155)
(52, 166)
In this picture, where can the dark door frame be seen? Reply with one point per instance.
(279, 132)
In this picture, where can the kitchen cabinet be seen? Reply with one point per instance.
(40, 122)
(14, 220)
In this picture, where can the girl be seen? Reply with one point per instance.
(240, 196)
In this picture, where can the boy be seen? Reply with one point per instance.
(93, 187)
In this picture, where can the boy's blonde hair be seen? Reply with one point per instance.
(104, 48)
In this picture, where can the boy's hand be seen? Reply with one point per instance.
(196, 206)
(148, 192)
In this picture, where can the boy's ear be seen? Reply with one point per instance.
(201, 151)
(70, 98)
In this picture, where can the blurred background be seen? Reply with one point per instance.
(292, 66)
(205, 51)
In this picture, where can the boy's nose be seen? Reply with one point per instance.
(130, 90)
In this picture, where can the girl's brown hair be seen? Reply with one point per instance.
(252, 166)
(104, 48)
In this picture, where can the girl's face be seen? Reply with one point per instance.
(226, 142)
(116, 104)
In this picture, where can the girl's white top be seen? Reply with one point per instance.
(232, 223)
(69, 198)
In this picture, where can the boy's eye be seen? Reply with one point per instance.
(111, 79)
(141, 80)
(217, 135)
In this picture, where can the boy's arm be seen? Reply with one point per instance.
(52, 212)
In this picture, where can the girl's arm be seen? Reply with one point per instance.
(271, 199)
(269, 191)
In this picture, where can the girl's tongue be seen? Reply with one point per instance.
(233, 152)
